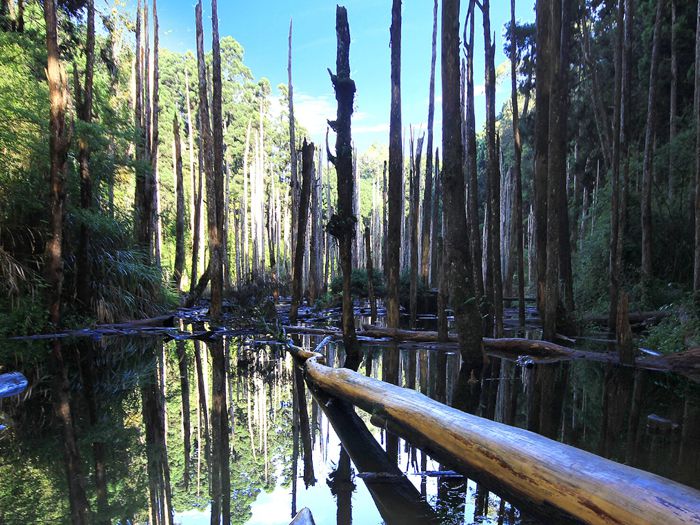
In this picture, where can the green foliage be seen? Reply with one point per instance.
(679, 331)
(359, 283)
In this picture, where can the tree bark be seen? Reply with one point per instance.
(428, 191)
(673, 106)
(647, 170)
(370, 277)
(494, 176)
(183, 364)
(517, 152)
(395, 198)
(696, 113)
(542, 94)
(342, 224)
(84, 111)
(180, 208)
(415, 206)
(153, 144)
(220, 452)
(215, 184)
(307, 173)
(294, 179)
(466, 312)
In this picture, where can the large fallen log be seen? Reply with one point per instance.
(552, 479)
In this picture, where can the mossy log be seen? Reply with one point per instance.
(553, 479)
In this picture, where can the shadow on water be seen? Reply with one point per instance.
(183, 425)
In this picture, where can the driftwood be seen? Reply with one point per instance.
(550, 478)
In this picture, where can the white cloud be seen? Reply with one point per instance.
(371, 128)
(312, 112)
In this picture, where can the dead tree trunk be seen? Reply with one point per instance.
(313, 239)
(342, 224)
(428, 191)
(647, 171)
(436, 227)
(415, 205)
(153, 143)
(466, 312)
(395, 197)
(517, 151)
(180, 208)
(307, 173)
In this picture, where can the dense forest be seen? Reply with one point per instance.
(136, 182)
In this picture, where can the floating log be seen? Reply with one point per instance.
(550, 478)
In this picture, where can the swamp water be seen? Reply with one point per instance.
(648, 420)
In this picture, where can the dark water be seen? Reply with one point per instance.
(591, 406)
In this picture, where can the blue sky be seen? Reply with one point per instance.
(262, 28)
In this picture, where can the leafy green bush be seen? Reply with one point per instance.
(358, 283)
(678, 331)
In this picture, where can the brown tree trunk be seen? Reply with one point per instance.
(472, 178)
(307, 173)
(415, 206)
(215, 184)
(647, 170)
(314, 248)
(615, 175)
(220, 490)
(180, 208)
(59, 142)
(436, 227)
(342, 224)
(428, 191)
(517, 151)
(541, 140)
(673, 106)
(466, 312)
(494, 176)
(84, 112)
(153, 141)
(395, 197)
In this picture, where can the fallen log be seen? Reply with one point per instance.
(552, 479)
(167, 320)
(634, 317)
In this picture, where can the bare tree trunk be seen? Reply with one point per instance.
(647, 172)
(180, 208)
(435, 250)
(414, 211)
(428, 191)
(542, 94)
(307, 173)
(342, 224)
(395, 197)
(517, 147)
(615, 176)
(466, 312)
(215, 200)
(153, 142)
(197, 219)
(313, 240)
(472, 180)
(494, 175)
(220, 478)
(84, 111)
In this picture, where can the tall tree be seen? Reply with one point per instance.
(647, 170)
(414, 212)
(517, 154)
(154, 141)
(216, 194)
(342, 224)
(494, 175)
(428, 190)
(294, 179)
(307, 174)
(541, 142)
(673, 104)
(466, 312)
(395, 197)
(180, 207)
(84, 110)
(59, 143)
